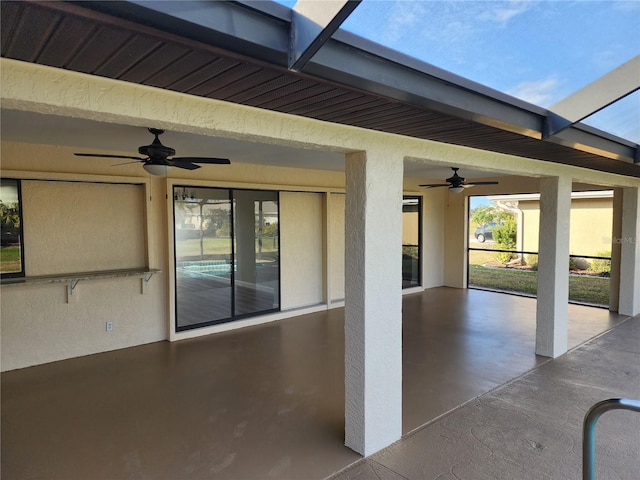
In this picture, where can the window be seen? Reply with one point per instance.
(227, 254)
(411, 239)
(11, 248)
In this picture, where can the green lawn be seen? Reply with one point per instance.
(586, 289)
(219, 246)
(10, 259)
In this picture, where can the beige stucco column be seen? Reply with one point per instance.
(629, 297)
(456, 240)
(373, 300)
(553, 267)
(616, 233)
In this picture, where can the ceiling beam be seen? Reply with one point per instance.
(312, 24)
(599, 94)
(255, 29)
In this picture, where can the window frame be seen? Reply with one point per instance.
(419, 204)
(21, 273)
(234, 315)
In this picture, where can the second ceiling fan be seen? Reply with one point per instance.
(156, 159)
(456, 183)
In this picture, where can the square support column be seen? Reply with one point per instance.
(616, 233)
(373, 303)
(552, 308)
(457, 240)
(629, 298)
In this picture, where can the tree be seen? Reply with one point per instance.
(489, 214)
(483, 214)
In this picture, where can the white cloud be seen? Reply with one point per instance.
(541, 92)
(505, 11)
(403, 16)
(627, 6)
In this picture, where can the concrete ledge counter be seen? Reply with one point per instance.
(72, 279)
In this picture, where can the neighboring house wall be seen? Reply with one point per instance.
(410, 228)
(591, 225)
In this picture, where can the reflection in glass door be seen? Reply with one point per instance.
(256, 244)
(203, 255)
(411, 236)
(227, 254)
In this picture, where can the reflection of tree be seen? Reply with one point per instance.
(10, 215)
(9, 223)
(218, 222)
(184, 212)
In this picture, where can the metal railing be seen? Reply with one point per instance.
(589, 430)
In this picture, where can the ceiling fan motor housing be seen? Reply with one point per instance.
(156, 151)
(455, 180)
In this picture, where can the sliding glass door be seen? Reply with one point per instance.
(256, 243)
(227, 254)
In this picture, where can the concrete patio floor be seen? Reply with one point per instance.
(268, 401)
(530, 428)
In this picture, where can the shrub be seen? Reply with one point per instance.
(602, 267)
(410, 251)
(505, 238)
(579, 263)
(532, 260)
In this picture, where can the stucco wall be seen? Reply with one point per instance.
(433, 238)
(301, 249)
(591, 225)
(336, 246)
(74, 227)
(82, 226)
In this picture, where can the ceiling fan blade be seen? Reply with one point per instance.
(105, 155)
(126, 163)
(471, 184)
(214, 161)
(432, 185)
(184, 165)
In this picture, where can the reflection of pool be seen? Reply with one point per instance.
(205, 268)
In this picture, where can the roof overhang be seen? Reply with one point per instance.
(239, 52)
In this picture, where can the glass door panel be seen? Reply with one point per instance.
(256, 238)
(203, 250)
(411, 241)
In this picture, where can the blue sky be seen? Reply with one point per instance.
(539, 51)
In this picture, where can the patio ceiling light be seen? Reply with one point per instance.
(155, 169)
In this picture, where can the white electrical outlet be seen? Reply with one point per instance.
(109, 326)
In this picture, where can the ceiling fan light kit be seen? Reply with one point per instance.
(155, 169)
(156, 161)
(456, 183)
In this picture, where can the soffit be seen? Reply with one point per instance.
(72, 37)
